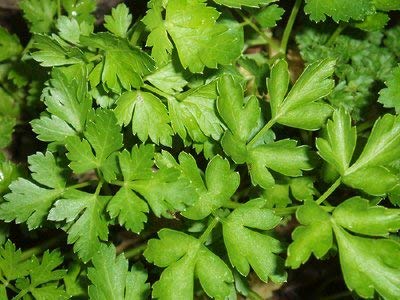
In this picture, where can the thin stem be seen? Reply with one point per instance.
(80, 185)
(336, 33)
(253, 295)
(135, 251)
(58, 8)
(231, 204)
(262, 132)
(98, 188)
(39, 249)
(270, 41)
(329, 191)
(6, 284)
(156, 91)
(209, 229)
(286, 210)
(289, 25)
(21, 294)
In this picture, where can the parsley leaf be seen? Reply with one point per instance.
(139, 107)
(119, 21)
(300, 108)
(9, 45)
(185, 258)
(390, 96)
(239, 3)
(86, 221)
(247, 247)
(29, 202)
(39, 13)
(111, 278)
(103, 135)
(339, 10)
(200, 41)
(123, 65)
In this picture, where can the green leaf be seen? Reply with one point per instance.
(193, 114)
(119, 21)
(9, 172)
(43, 279)
(313, 236)
(241, 117)
(239, 3)
(168, 78)
(357, 215)
(81, 10)
(200, 40)
(50, 52)
(111, 278)
(28, 202)
(39, 13)
(370, 172)
(390, 96)
(9, 45)
(69, 104)
(11, 264)
(220, 183)
(6, 130)
(369, 264)
(129, 208)
(339, 10)
(158, 38)
(139, 108)
(103, 134)
(338, 146)
(87, 224)
(269, 15)
(185, 258)
(123, 65)
(299, 108)
(247, 247)
(70, 30)
(374, 22)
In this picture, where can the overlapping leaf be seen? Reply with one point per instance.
(247, 247)
(200, 40)
(390, 96)
(119, 21)
(111, 278)
(185, 258)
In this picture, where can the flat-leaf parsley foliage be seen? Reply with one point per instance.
(189, 127)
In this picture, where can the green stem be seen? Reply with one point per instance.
(270, 41)
(286, 210)
(98, 188)
(252, 295)
(39, 249)
(365, 126)
(96, 57)
(329, 191)
(232, 204)
(336, 33)
(135, 251)
(209, 229)
(6, 284)
(289, 25)
(262, 132)
(156, 91)
(21, 294)
(58, 8)
(79, 185)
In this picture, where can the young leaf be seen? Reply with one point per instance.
(185, 258)
(200, 41)
(111, 278)
(390, 96)
(9, 45)
(119, 21)
(299, 108)
(339, 10)
(123, 66)
(313, 236)
(338, 147)
(219, 185)
(39, 13)
(193, 114)
(87, 223)
(370, 172)
(247, 247)
(70, 30)
(29, 202)
(369, 264)
(357, 215)
(103, 135)
(11, 264)
(269, 15)
(139, 108)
